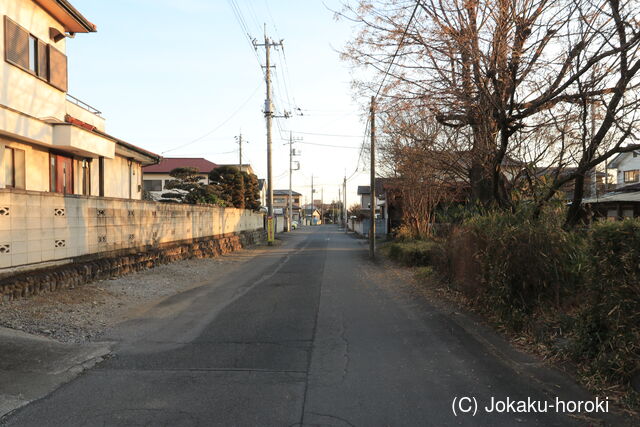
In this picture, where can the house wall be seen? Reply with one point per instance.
(365, 200)
(25, 92)
(118, 178)
(37, 177)
(628, 163)
(43, 227)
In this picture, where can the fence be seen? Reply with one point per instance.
(42, 227)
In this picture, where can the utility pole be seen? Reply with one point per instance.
(339, 201)
(269, 115)
(290, 207)
(291, 154)
(239, 139)
(345, 213)
(322, 205)
(372, 225)
(312, 203)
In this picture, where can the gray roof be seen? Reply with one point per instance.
(620, 157)
(364, 189)
(615, 197)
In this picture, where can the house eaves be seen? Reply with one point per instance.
(64, 12)
(145, 157)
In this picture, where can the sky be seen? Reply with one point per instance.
(181, 78)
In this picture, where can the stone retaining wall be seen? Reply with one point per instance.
(117, 263)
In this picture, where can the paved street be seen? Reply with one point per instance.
(310, 333)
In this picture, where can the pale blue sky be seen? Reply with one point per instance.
(166, 72)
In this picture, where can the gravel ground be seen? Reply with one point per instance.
(84, 313)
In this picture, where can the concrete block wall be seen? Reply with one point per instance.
(38, 227)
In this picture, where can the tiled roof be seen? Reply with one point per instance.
(168, 164)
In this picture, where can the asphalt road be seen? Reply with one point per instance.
(308, 333)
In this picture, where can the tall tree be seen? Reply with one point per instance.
(495, 67)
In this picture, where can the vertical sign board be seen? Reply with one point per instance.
(270, 230)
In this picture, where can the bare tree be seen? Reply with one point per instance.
(495, 67)
(426, 176)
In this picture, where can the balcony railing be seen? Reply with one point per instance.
(83, 105)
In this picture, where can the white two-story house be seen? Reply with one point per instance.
(50, 141)
(627, 166)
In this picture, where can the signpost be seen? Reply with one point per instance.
(270, 230)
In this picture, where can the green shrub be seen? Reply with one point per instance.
(607, 335)
(415, 253)
(525, 264)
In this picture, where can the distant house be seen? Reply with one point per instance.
(621, 203)
(155, 177)
(551, 172)
(50, 141)
(281, 203)
(364, 192)
(627, 167)
(312, 216)
(388, 205)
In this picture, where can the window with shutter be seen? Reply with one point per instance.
(57, 69)
(14, 168)
(43, 61)
(16, 44)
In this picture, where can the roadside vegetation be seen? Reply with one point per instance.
(496, 119)
(574, 295)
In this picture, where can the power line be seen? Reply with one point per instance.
(324, 134)
(220, 125)
(205, 154)
(328, 145)
(393, 58)
(237, 12)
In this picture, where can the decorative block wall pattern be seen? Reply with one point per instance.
(40, 227)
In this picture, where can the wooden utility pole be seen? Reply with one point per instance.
(372, 224)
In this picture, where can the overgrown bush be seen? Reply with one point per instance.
(416, 253)
(607, 334)
(582, 285)
(525, 263)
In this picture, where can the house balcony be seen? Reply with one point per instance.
(81, 141)
(84, 112)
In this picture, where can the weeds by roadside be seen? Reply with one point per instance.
(569, 296)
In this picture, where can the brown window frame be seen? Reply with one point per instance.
(8, 21)
(13, 171)
(101, 176)
(53, 174)
(636, 174)
(85, 165)
(64, 85)
(41, 52)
